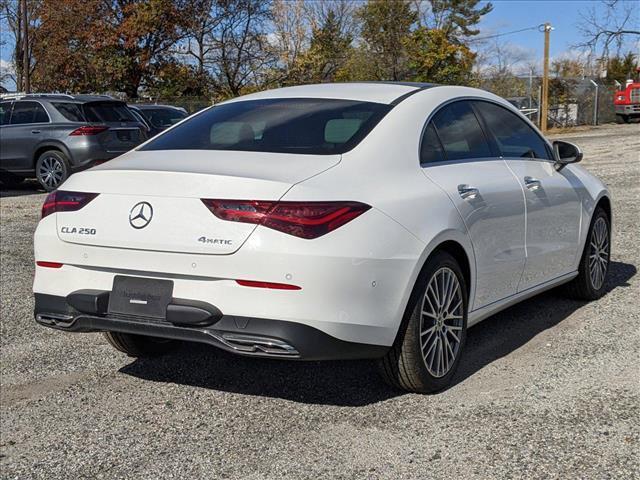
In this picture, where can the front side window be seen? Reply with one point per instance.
(514, 137)
(282, 125)
(5, 112)
(28, 112)
(460, 132)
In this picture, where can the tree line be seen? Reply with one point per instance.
(223, 48)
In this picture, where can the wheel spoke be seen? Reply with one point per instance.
(442, 320)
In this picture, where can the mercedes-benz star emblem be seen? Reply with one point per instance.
(140, 215)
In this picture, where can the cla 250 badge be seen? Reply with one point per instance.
(78, 230)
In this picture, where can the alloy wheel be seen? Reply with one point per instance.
(51, 172)
(598, 253)
(442, 317)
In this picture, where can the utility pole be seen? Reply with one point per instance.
(544, 104)
(26, 67)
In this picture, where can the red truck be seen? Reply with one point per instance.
(627, 102)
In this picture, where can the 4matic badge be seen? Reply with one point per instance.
(215, 241)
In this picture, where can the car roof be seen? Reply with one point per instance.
(148, 106)
(377, 92)
(60, 97)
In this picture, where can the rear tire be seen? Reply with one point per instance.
(139, 345)
(590, 284)
(427, 350)
(52, 169)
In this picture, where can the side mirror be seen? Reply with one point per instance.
(566, 153)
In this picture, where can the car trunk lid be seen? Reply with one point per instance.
(152, 200)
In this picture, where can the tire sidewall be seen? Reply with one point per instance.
(584, 263)
(439, 260)
(65, 167)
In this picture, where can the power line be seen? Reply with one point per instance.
(537, 27)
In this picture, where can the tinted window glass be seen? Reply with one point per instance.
(70, 111)
(460, 132)
(5, 109)
(107, 112)
(163, 117)
(28, 112)
(430, 148)
(514, 137)
(284, 125)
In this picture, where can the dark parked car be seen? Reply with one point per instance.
(160, 117)
(50, 136)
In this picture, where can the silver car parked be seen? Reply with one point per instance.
(50, 136)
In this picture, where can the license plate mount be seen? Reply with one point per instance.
(140, 297)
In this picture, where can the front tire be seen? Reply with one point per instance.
(52, 169)
(139, 345)
(590, 284)
(427, 350)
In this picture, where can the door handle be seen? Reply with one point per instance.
(466, 191)
(35, 131)
(532, 183)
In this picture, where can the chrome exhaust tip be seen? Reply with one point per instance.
(56, 319)
(259, 345)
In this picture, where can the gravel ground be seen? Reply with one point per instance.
(548, 388)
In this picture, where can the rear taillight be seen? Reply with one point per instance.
(270, 285)
(61, 201)
(88, 130)
(301, 219)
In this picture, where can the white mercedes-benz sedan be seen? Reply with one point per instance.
(334, 221)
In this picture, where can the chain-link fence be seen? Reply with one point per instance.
(572, 101)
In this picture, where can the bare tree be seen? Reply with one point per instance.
(610, 27)
(10, 18)
(242, 53)
(291, 32)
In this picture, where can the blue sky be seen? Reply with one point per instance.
(564, 15)
(509, 15)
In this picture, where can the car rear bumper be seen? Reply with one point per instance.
(241, 335)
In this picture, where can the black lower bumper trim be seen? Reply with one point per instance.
(242, 335)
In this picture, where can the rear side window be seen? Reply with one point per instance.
(28, 112)
(5, 112)
(512, 134)
(460, 132)
(283, 125)
(431, 148)
(70, 111)
(107, 112)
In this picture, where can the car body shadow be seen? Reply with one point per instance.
(356, 383)
(28, 187)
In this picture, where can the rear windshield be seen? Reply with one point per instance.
(290, 125)
(107, 112)
(163, 117)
